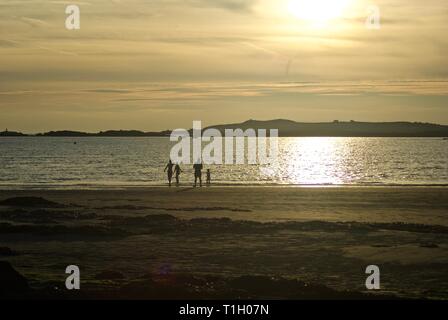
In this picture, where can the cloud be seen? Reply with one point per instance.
(232, 5)
(5, 43)
(34, 22)
(219, 90)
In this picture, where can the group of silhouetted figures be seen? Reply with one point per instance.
(175, 169)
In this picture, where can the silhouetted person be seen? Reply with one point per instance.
(177, 172)
(197, 173)
(209, 177)
(169, 171)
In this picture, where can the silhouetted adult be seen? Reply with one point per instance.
(177, 172)
(169, 170)
(197, 173)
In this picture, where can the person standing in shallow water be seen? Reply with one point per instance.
(209, 177)
(169, 171)
(197, 173)
(177, 172)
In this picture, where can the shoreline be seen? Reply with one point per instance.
(104, 187)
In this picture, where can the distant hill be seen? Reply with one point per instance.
(132, 133)
(109, 133)
(7, 133)
(65, 133)
(288, 128)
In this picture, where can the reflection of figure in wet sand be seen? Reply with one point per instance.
(209, 177)
(177, 172)
(169, 171)
(197, 173)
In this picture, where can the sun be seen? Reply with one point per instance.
(317, 12)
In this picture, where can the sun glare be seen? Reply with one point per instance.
(317, 12)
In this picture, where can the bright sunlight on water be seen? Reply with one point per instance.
(92, 162)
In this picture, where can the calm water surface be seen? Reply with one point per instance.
(53, 162)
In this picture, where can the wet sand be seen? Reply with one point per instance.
(320, 236)
(427, 205)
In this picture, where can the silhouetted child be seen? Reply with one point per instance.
(177, 172)
(209, 177)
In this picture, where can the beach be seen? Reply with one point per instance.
(230, 242)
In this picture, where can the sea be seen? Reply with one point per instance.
(123, 162)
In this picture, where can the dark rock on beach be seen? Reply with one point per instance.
(7, 252)
(12, 283)
(185, 286)
(45, 215)
(35, 202)
(262, 287)
(109, 275)
(429, 245)
(66, 233)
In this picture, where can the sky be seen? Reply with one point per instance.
(160, 64)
